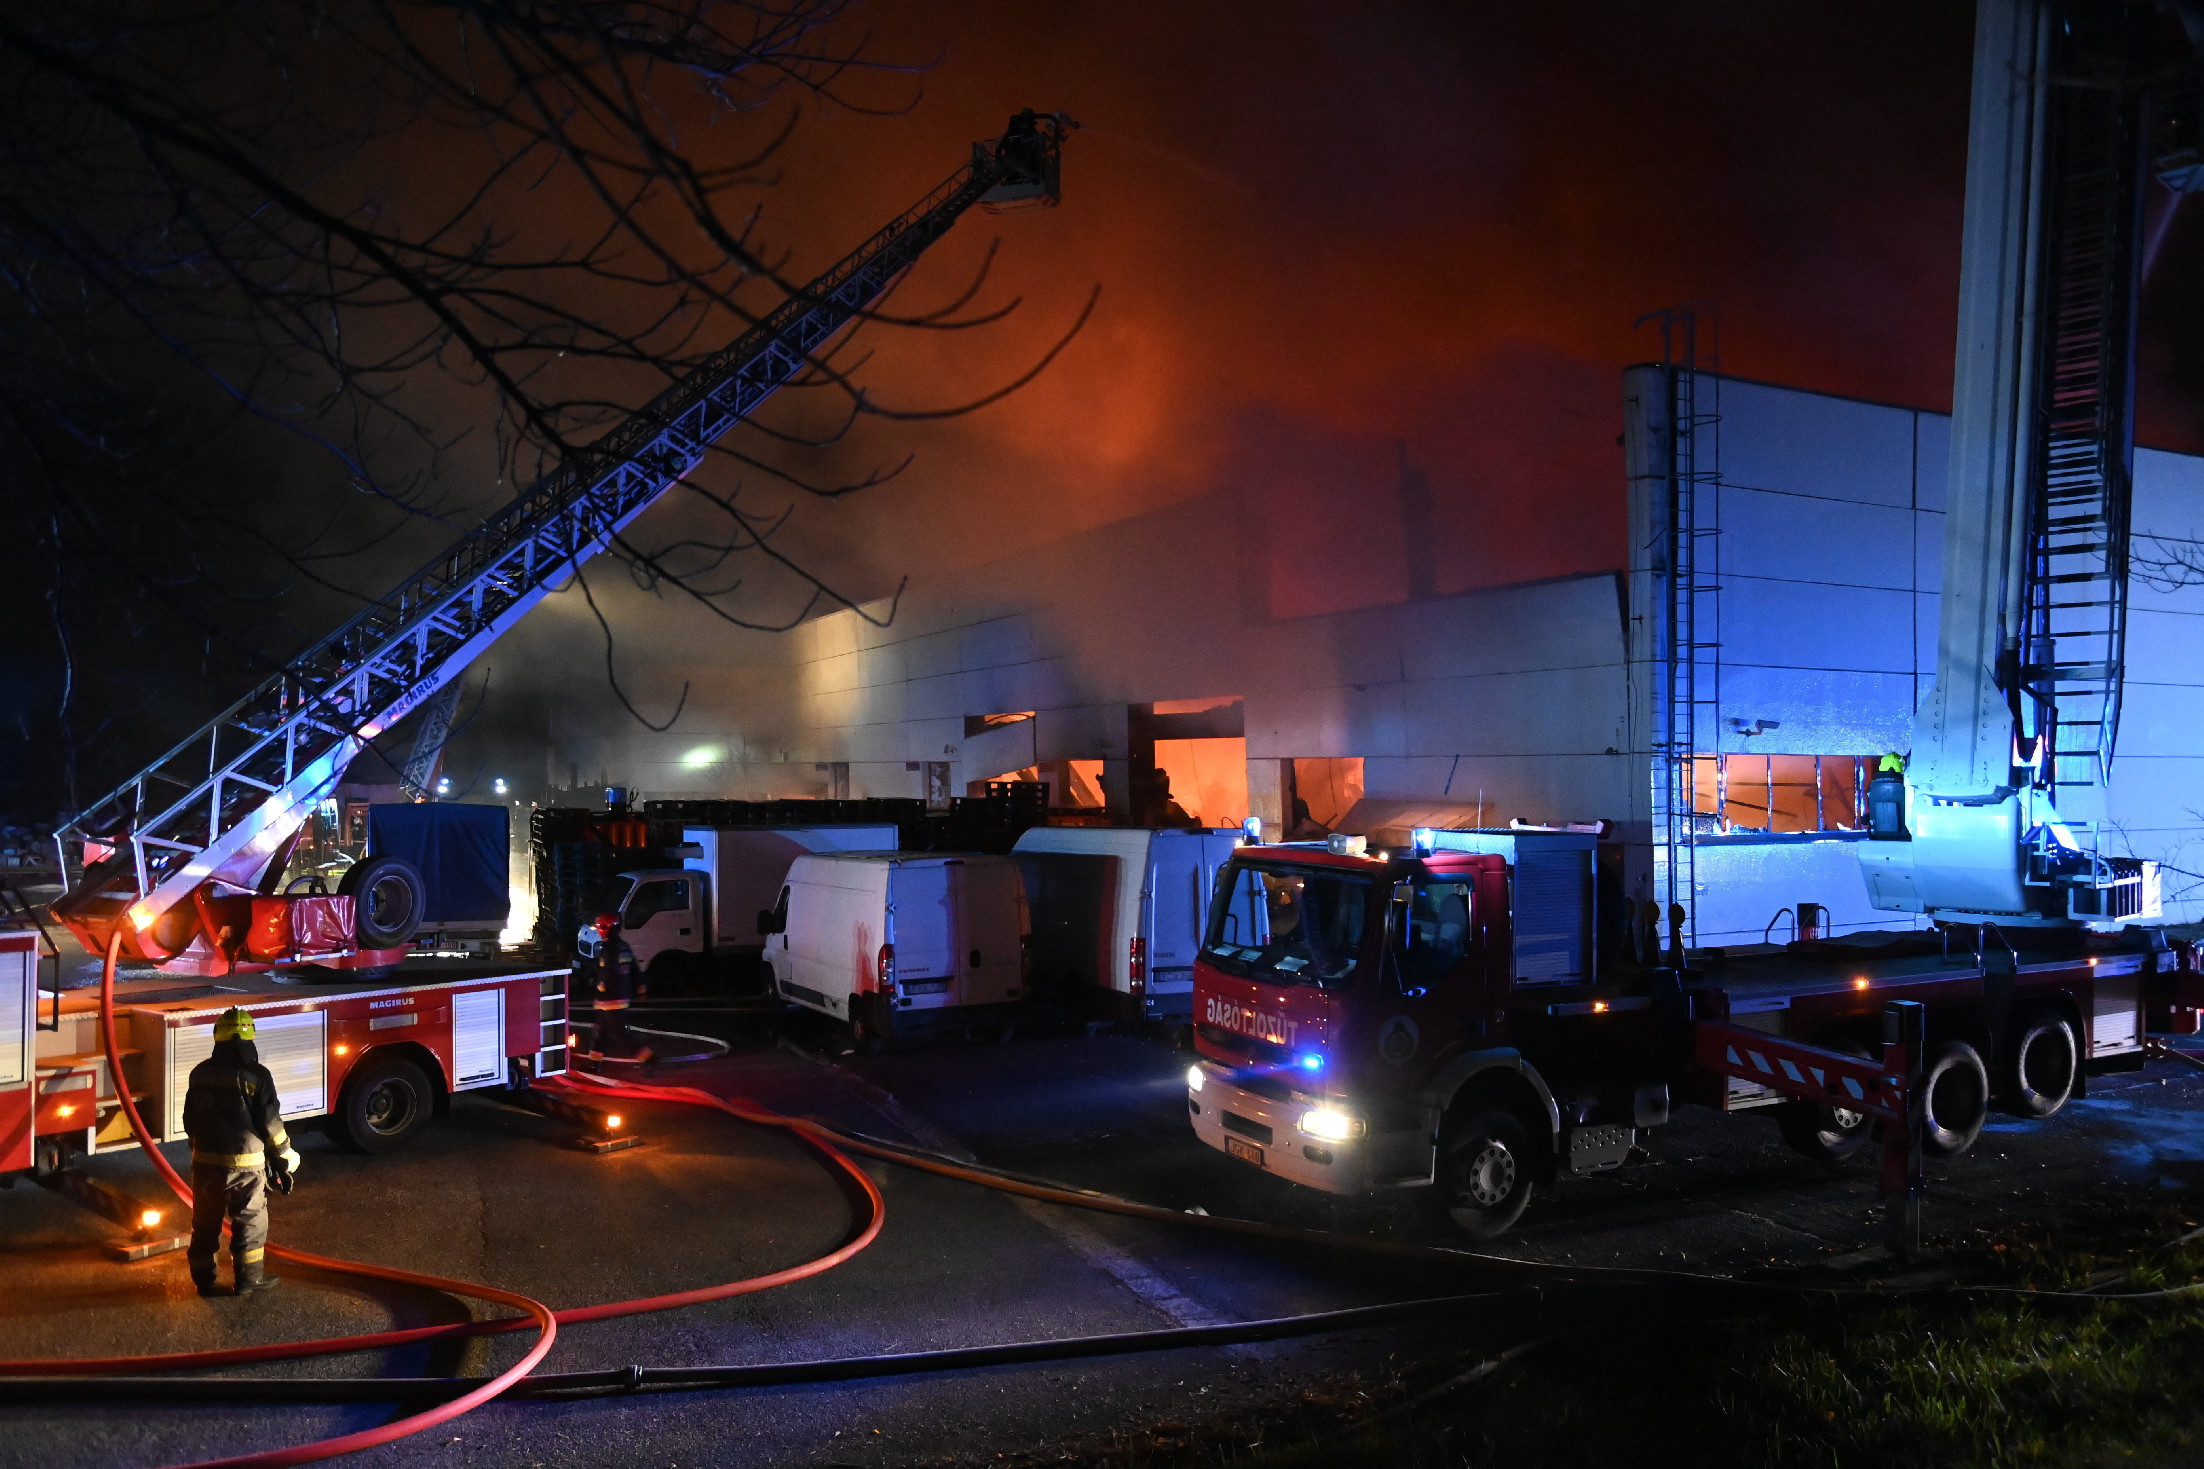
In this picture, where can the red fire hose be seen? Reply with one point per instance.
(547, 1320)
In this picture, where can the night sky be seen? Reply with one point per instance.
(1323, 232)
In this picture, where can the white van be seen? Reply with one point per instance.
(1117, 915)
(899, 942)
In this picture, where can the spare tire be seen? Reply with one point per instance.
(388, 899)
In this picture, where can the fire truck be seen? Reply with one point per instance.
(372, 1058)
(1449, 1019)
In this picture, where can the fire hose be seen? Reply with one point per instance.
(542, 1316)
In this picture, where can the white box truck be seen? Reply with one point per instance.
(1117, 916)
(700, 920)
(898, 943)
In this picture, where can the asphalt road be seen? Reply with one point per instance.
(500, 1195)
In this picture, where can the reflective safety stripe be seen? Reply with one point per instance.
(252, 1256)
(227, 1160)
(612, 1004)
(278, 1138)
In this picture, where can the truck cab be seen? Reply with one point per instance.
(662, 911)
(1366, 1020)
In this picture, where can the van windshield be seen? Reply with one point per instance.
(1291, 925)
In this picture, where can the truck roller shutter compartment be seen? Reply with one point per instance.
(1553, 902)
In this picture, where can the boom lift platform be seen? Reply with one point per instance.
(184, 859)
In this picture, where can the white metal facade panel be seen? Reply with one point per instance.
(294, 1048)
(478, 1038)
(2116, 1016)
(18, 1007)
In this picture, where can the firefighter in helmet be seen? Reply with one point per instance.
(239, 1148)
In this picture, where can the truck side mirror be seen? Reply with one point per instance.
(768, 922)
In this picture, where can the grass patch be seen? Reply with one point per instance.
(1937, 1382)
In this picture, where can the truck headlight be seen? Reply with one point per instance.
(1332, 1125)
(1193, 1078)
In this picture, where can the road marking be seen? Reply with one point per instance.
(1082, 1238)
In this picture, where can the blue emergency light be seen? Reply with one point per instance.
(1425, 840)
(1253, 826)
(1310, 1061)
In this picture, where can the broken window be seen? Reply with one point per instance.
(1781, 793)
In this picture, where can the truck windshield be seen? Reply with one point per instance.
(1291, 925)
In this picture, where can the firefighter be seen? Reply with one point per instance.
(1891, 764)
(239, 1146)
(616, 988)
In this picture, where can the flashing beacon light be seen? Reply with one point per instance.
(1253, 826)
(1310, 1061)
(1424, 840)
(149, 1219)
(498, 785)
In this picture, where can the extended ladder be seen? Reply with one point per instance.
(224, 804)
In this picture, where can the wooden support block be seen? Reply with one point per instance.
(601, 1145)
(132, 1251)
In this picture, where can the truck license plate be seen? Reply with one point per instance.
(1246, 1151)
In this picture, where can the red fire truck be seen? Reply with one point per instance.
(371, 1058)
(1443, 1019)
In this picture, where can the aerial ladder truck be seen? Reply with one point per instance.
(1447, 1020)
(182, 865)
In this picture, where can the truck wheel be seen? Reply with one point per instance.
(868, 1024)
(388, 898)
(1957, 1089)
(1484, 1181)
(2038, 1067)
(1826, 1134)
(385, 1102)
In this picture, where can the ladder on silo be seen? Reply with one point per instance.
(1688, 700)
(2074, 627)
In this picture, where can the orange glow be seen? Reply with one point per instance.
(149, 1219)
(343, 1049)
(1599, 1007)
(612, 1122)
(1859, 984)
(66, 1109)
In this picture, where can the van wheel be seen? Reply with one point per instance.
(868, 1024)
(1957, 1091)
(2038, 1067)
(386, 1100)
(1484, 1181)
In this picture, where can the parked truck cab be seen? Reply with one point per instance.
(1360, 1021)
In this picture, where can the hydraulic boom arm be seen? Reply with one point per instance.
(224, 806)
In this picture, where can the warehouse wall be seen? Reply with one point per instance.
(1512, 695)
(1828, 558)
